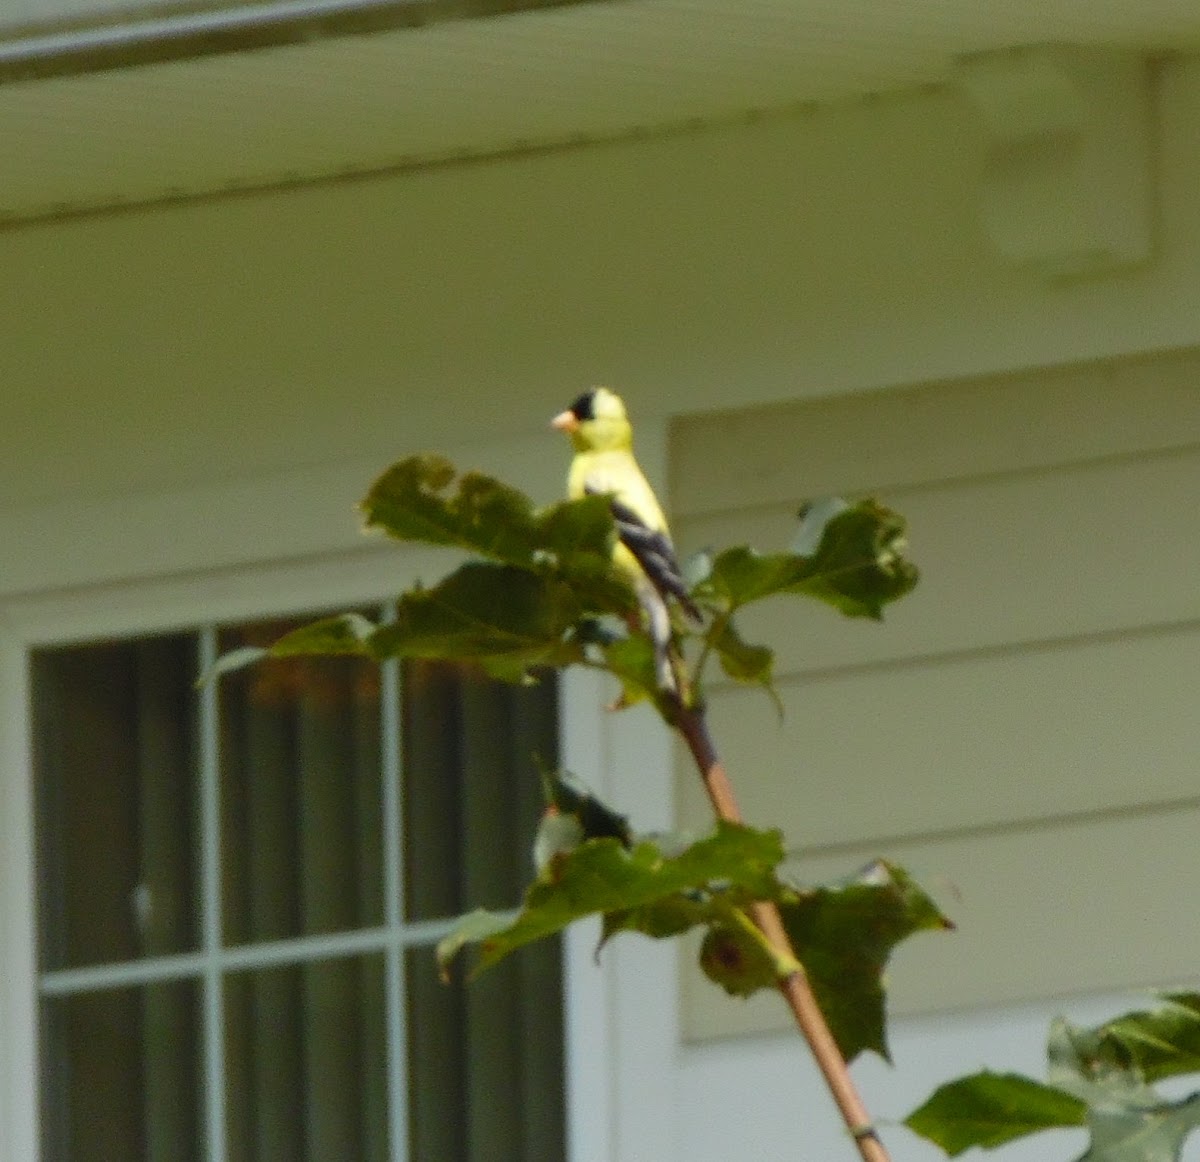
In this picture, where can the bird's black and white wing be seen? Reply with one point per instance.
(654, 552)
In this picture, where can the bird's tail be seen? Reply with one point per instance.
(658, 622)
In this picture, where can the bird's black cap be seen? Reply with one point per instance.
(584, 407)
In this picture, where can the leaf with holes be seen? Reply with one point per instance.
(844, 935)
(743, 662)
(1161, 1042)
(507, 619)
(1099, 1078)
(425, 499)
(858, 566)
(603, 876)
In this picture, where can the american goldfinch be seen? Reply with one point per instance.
(604, 464)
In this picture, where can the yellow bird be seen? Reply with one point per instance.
(604, 464)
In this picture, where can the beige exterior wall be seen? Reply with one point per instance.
(182, 347)
(1021, 732)
(195, 395)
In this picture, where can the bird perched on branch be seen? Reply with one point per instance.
(604, 464)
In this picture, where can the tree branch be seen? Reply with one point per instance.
(691, 724)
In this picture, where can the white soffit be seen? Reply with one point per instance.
(558, 76)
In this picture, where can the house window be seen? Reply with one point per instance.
(239, 890)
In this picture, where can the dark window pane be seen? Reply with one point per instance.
(121, 1075)
(472, 795)
(301, 783)
(306, 1072)
(115, 762)
(301, 846)
(486, 1061)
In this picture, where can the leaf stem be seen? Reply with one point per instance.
(783, 963)
(795, 986)
(714, 630)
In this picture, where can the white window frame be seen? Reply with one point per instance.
(164, 605)
(241, 550)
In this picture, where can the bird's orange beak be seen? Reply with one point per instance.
(566, 421)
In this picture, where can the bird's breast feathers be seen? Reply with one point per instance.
(617, 474)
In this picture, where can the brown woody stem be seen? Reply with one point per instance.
(795, 985)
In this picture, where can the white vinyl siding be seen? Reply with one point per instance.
(1021, 732)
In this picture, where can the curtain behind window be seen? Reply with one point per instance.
(303, 852)
(471, 787)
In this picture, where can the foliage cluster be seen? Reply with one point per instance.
(537, 589)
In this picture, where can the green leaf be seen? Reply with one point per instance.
(1156, 1134)
(740, 575)
(858, 567)
(603, 876)
(550, 576)
(631, 660)
(752, 665)
(1161, 1042)
(990, 1109)
(345, 634)
(661, 919)
(1099, 1078)
(712, 906)
(577, 532)
(1127, 1119)
(734, 855)
(1095, 1067)
(423, 499)
(741, 661)
(507, 619)
(733, 958)
(473, 927)
(844, 934)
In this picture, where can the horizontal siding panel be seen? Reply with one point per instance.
(1082, 550)
(890, 439)
(1024, 726)
(1093, 906)
(964, 742)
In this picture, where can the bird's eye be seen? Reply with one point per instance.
(584, 407)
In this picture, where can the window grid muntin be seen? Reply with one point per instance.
(241, 957)
(394, 982)
(212, 961)
(213, 1021)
